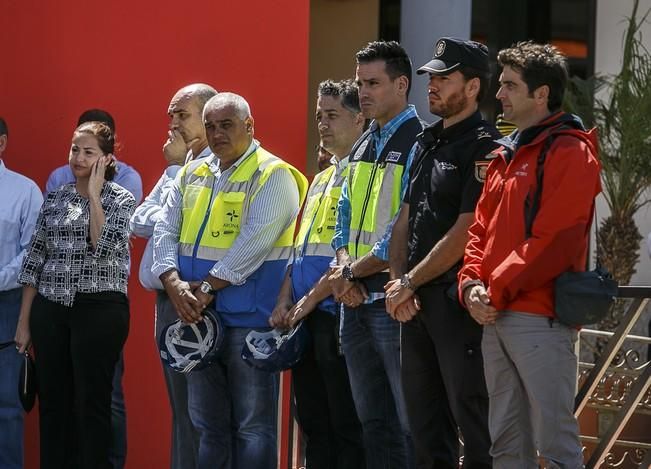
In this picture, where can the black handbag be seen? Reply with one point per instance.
(584, 297)
(26, 380)
(580, 298)
(27, 383)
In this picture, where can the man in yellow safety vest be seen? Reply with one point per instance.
(229, 224)
(324, 403)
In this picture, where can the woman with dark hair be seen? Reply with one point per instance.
(75, 310)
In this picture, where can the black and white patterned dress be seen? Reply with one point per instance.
(61, 261)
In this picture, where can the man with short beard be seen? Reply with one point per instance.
(442, 367)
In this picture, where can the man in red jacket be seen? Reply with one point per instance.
(507, 281)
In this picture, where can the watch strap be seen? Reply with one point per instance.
(208, 289)
(347, 273)
(405, 281)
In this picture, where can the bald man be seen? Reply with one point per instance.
(186, 141)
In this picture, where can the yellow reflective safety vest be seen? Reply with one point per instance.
(374, 185)
(209, 230)
(313, 250)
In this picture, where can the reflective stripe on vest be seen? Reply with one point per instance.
(208, 233)
(317, 226)
(375, 196)
(374, 186)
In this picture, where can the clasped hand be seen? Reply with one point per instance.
(351, 294)
(402, 303)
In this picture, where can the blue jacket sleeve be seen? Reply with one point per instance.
(342, 225)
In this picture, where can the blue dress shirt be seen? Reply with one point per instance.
(21, 202)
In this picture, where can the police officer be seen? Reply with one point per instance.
(442, 372)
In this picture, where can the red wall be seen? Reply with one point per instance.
(59, 58)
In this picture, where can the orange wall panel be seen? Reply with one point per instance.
(129, 57)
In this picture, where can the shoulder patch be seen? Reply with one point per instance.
(480, 170)
(393, 156)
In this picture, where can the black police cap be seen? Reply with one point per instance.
(450, 53)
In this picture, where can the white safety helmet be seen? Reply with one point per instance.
(185, 347)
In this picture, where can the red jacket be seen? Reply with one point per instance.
(518, 272)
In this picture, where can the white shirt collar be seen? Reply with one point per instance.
(214, 162)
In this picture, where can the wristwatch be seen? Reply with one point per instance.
(405, 282)
(206, 288)
(347, 273)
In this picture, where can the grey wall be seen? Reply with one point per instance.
(423, 22)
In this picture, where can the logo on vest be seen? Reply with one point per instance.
(393, 156)
(232, 214)
(360, 151)
(333, 216)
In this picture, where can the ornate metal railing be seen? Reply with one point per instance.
(617, 386)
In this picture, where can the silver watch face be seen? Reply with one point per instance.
(205, 288)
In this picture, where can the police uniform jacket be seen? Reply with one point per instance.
(446, 179)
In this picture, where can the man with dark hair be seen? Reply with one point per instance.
(186, 142)
(97, 115)
(397, 62)
(370, 199)
(326, 412)
(531, 225)
(126, 176)
(4, 130)
(442, 373)
(21, 202)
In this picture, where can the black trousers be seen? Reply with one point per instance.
(444, 385)
(324, 402)
(76, 351)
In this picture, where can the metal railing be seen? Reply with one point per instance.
(618, 382)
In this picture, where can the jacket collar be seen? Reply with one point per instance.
(538, 132)
(436, 132)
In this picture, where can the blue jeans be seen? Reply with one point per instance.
(11, 411)
(371, 344)
(234, 407)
